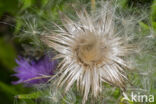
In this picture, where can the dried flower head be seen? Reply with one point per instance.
(92, 52)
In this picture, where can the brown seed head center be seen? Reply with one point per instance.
(89, 51)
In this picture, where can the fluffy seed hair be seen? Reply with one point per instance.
(92, 52)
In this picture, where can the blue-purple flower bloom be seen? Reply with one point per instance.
(34, 72)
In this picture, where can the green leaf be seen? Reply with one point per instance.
(8, 6)
(7, 89)
(7, 54)
(44, 2)
(153, 11)
(19, 24)
(154, 26)
(33, 95)
(123, 3)
(26, 3)
(145, 28)
(116, 93)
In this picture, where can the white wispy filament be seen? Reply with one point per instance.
(92, 52)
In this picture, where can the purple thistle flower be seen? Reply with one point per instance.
(34, 72)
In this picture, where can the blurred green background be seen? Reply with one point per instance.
(13, 13)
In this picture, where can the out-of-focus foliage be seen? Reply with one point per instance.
(29, 16)
(8, 6)
(153, 15)
(7, 59)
